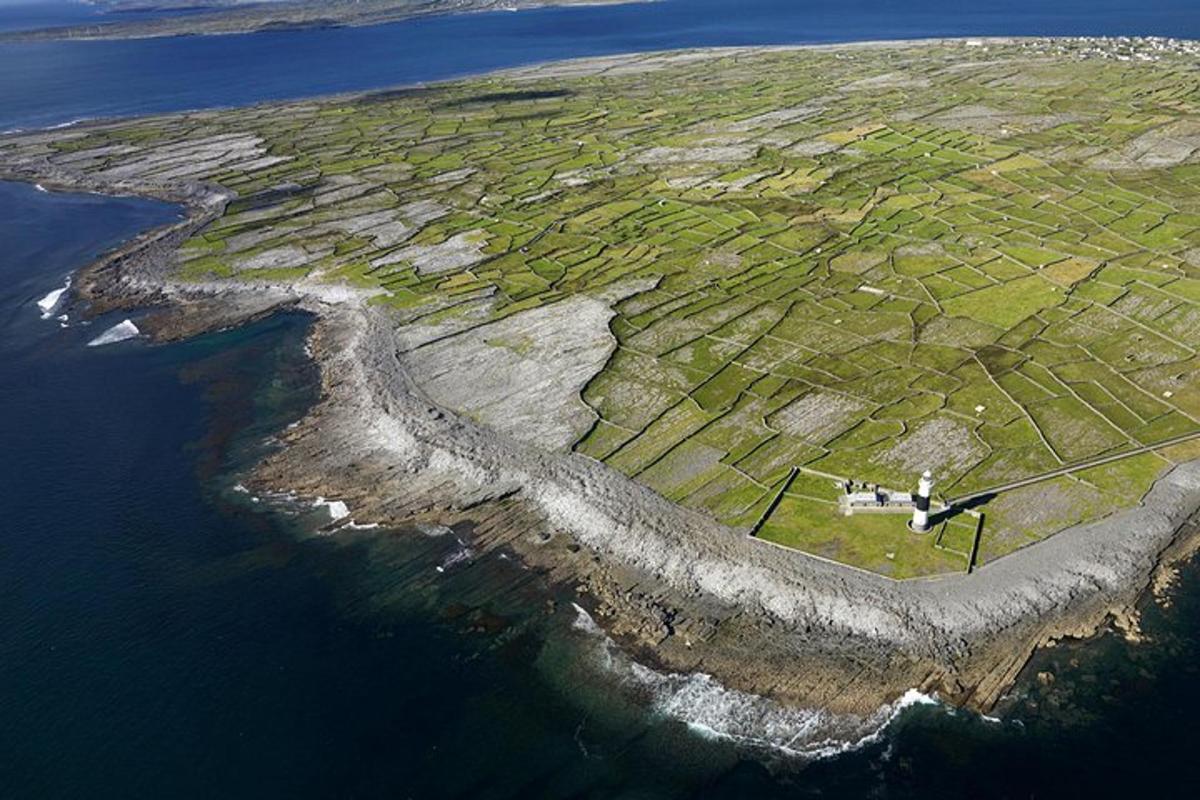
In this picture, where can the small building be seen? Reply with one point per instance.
(858, 496)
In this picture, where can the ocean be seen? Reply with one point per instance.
(24, 15)
(52, 83)
(165, 634)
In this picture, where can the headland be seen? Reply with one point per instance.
(607, 311)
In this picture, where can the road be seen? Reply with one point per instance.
(967, 499)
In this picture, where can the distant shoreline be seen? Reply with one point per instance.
(295, 15)
(376, 443)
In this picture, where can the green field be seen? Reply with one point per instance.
(985, 262)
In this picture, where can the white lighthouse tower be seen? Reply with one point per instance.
(920, 517)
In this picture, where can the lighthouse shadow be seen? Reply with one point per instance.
(942, 517)
(949, 512)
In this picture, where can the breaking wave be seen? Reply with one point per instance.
(338, 510)
(461, 554)
(68, 124)
(117, 333)
(50, 303)
(714, 711)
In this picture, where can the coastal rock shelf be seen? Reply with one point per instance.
(620, 312)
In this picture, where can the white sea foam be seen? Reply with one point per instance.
(336, 508)
(50, 303)
(457, 557)
(583, 621)
(40, 188)
(67, 124)
(714, 711)
(117, 333)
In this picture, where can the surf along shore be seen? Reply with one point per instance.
(671, 585)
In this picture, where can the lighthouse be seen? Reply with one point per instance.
(920, 517)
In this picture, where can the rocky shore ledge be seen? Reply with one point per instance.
(675, 588)
(686, 593)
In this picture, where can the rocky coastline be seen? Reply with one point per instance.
(672, 586)
(676, 589)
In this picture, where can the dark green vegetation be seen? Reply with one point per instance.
(870, 261)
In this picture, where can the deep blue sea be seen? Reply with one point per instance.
(49, 83)
(162, 634)
(24, 15)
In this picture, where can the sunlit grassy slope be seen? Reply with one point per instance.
(983, 261)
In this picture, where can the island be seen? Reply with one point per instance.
(133, 19)
(685, 331)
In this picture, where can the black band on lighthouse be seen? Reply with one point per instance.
(922, 503)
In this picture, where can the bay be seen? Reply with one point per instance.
(52, 83)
